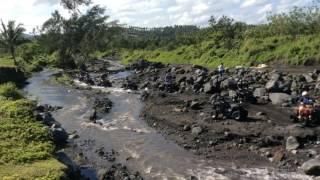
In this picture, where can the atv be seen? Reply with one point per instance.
(225, 110)
(306, 114)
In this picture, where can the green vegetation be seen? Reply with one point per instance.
(9, 91)
(32, 57)
(288, 38)
(6, 61)
(281, 49)
(39, 170)
(11, 37)
(25, 144)
(75, 38)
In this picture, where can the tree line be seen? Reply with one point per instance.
(74, 39)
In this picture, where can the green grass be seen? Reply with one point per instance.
(39, 170)
(6, 61)
(281, 49)
(26, 147)
(9, 91)
(30, 58)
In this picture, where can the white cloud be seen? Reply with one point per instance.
(199, 8)
(154, 12)
(51, 2)
(265, 9)
(248, 3)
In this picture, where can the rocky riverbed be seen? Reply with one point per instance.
(267, 138)
(123, 124)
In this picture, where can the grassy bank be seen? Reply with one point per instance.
(30, 58)
(281, 49)
(26, 146)
(6, 61)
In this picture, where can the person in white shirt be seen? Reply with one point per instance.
(221, 69)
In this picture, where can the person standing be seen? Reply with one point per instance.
(221, 69)
(168, 82)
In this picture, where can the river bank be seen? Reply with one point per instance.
(26, 147)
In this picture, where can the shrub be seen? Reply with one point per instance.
(9, 91)
(16, 109)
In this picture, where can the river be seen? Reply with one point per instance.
(140, 147)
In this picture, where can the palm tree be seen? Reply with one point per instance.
(11, 36)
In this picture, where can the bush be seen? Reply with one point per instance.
(9, 91)
(16, 109)
(32, 57)
(28, 51)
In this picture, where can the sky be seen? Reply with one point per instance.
(153, 13)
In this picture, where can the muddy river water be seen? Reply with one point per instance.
(140, 147)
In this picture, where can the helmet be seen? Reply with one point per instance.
(304, 93)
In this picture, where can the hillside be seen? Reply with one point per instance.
(280, 49)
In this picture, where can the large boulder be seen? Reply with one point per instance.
(102, 105)
(60, 136)
(200, 80)
(300, 78)
(208, 87)
(284, 86)
(279, 98)
(104, 83)
(308, 78)
(233, 93)
(260, 92)
(180, 71)
(195, 105)
(272, 85)
(181, 79)
(190, 80)
(294, 86)
(276, 76)
(196, 130)
(47, 119)
(312, 167)
(229, 84)
(292, 143)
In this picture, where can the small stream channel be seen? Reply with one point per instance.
(140, 147)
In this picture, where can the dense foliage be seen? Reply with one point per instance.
(287, 38)
(75, 38)
(152, 38)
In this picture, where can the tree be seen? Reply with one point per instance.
(77, 37)
(212, 22)
(73, 5)
(11, 37)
